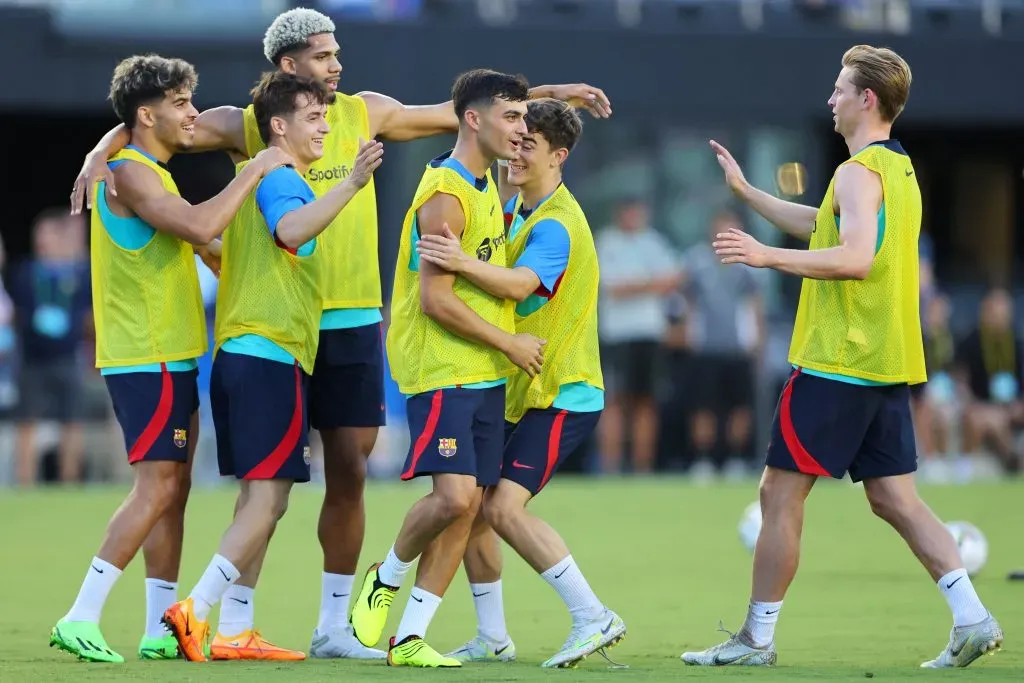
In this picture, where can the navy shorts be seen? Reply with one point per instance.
(259, 412)
(827, 427)
(347, 387)
(456, 431)
(155, 412)
(540, 441)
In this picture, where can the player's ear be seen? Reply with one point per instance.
(144, 117)
(472, 119)
(561, 154)
(288, 64)
(277, 125)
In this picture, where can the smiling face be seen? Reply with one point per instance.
(303, 129)
(538, 161)
(172, 119)
(317, 61)
(153, 95)
(500, 127)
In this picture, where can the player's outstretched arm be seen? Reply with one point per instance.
(217, 128)
(391, 120)
(795, 219)
(440, 303)
(143, 192)
(445, 251)
(303, 224)
(859, 196)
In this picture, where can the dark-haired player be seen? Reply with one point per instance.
(150, 329)
(553, 279)
(452, 346)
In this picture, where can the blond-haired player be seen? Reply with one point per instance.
(856, 350)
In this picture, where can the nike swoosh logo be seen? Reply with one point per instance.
(498, 652)
(559, 574)
(242, 602)
(339, 595)
(516, 463)
(166, 588)
(607, 628)
(416, 599)
(188, 627)
(480, 595)
(718, 660)
(909, 173)
(772, 612)
(948, 585)
(98, 570)
(223, 573)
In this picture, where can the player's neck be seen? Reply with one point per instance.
(301, 165)
(867, 134)
(535, 193)
(151, 146)
(468, 153)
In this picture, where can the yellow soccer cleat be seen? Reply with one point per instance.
(370, 611)
(414, 651)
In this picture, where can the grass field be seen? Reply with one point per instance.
(663, 553)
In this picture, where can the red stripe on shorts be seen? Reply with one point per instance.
(554, 444)
(805, 462)
(158, 422)
(426, 435)
(270, 465)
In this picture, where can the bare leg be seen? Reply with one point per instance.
(611, 435)
(25, 447)
(777, 553)
(645, 433)
(343, 515)
(72, 446)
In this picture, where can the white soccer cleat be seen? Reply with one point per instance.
(732, 652)
(967, 643)
(340, 642)
(589, 637)
(481, 649)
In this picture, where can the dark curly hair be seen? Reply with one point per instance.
(557, 121)
(143, 79)
(277, 95)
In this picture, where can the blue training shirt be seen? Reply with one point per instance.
(281, 191)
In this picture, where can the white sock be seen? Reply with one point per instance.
(99, 579)
(160, 595)
(335, 594)
(214, 582)
(959, 592)
(237, 611)
(393, 570)
(490, 611)
(761, 620)
(567, 579)
(418, 613)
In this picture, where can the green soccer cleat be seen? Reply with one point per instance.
(370, 611)
(84, 640)
(414, 651)
(165, 647)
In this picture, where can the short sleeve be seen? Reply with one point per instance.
(283, 190)
(546, 253)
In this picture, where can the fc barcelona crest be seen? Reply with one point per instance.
(180, 437)
(447, 447)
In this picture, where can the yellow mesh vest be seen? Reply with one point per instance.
(146, 302)
(267, 290)
(423, 354)
(868, 329)
(568, 321)
(349, 244)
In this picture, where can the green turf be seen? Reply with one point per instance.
(663, 553)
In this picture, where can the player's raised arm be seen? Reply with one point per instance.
(445, 251)
(397, 122)
(795, 219)
(859, 197)
(143, 193)
(439, 302)
(303, 224)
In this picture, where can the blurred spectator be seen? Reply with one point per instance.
(52, 299)
(935, 402)
(8, 346)
(991, 359)
(726, 332)
(638, 272)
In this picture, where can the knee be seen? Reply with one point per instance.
(162, 491)
(777, 499)
(184, 489)
(885, 505)
(498, 513)
(460, 502)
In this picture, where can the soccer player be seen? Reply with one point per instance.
(554, 282)
(856, 349)
(346, 393)
(268, 316)
(150, 330)
(452, 348)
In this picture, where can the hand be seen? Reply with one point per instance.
(733, 173)
(93, 171)
(210, 255)
(527, 352)
(444, 251)
(370, 156)
(272, 158)
(736, 246)
(583, 96)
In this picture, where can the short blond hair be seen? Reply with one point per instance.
(885, 73)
